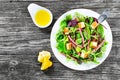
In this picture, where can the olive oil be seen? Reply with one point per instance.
(42, 17)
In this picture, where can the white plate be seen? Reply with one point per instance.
(71, 64)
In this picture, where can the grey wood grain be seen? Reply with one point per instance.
(21, 40)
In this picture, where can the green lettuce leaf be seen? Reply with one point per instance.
(79, 41)
(80, 17)
(100, 30)
(90, 20)
(69, 17)
(86, 33)
(63, 23)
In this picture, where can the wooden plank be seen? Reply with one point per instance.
(26, 66)
(59, 0)
(19, 9)
(21, 41)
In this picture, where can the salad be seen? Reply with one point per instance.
(81, 38)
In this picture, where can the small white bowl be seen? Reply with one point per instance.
(33, 8)
(71, 64)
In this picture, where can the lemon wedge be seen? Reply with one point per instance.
(43, 58)
(46, 64)
(42, 55)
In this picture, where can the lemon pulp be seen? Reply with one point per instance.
(42, 17)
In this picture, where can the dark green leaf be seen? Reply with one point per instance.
(59, 36)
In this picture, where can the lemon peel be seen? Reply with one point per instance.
(43, 58)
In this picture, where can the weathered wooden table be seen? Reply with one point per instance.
(21, 40)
